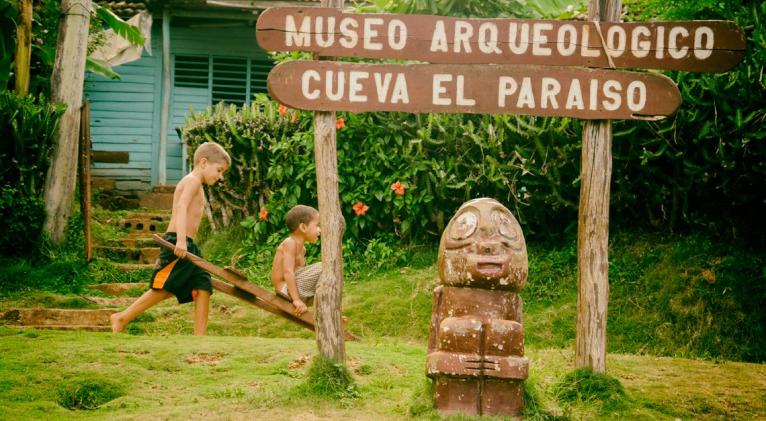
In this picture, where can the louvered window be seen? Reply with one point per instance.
(233, 80)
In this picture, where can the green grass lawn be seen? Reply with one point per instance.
(670, 297)
(236, 377)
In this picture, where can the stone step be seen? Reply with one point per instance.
(145, 255)
(154, 216)
(55, 318)
(138, 240)
(120, 302)
(119, 288)
(128, 267)
(168, 188)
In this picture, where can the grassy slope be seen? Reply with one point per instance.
(669, 296)
(178, 377)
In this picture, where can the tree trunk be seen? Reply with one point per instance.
(66, 87)
(593, 226)
(23, 46)
(329, 329)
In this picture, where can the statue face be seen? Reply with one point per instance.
(483, 247)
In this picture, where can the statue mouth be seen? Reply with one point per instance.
(489, 268)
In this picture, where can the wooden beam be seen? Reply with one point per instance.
(593, 226)
(23, 46)
(259, 5)
(329, 288)
(66, 87)
(165, 112)
(279, 305)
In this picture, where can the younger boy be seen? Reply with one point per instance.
(174, 275)
(291, 277)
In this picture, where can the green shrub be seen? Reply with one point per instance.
(23, 217)
(87, 393)
(330, 379)
(584, 385)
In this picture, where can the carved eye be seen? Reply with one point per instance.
(508, 227)
(464, 226)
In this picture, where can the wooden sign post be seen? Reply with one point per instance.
(593, 227)
(330, 286)
(515, 68)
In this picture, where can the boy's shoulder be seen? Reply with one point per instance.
(188, 179)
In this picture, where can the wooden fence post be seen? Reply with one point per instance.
(23, 46)
(66, 87)
(593, 225)
(85, 153)
(328, 294)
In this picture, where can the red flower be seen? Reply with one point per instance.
(340, 123)
(282, 109)
(360, 208)
(398, 188)
(263, 215)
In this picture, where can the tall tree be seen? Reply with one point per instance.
(66, 87)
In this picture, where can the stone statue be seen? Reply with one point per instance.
(476, 344)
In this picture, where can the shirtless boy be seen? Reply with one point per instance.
(174, 275)
(291, 277)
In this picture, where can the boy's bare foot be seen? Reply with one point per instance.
(118, 325)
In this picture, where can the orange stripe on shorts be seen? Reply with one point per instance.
(162, 275)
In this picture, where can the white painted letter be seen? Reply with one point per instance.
(551, 88)
(397, 34)
(640, 48)
(460, 99)
(301, 38)
(350, 38)
(439, 89)
(329, 33)
(381, 85)
(439, 38)
(400, 90)
(585, 51)
(354, 87)
(525, 95)
(612, 90)
(574, 97)
(636, 101)
(341, 88)
(673, 49)
(488, 47)
(463, 34)
(568, 47)
(703, 51)
(518, 46)
(617, 48)
(309, 74)
(539, 39)
(370, 33)
(506, 87)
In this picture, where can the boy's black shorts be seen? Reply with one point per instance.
(179, 276)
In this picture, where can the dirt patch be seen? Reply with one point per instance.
(204, 358)
(299, 362)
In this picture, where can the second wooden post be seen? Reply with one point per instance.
(329, 329)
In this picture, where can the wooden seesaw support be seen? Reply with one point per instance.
(242, 288)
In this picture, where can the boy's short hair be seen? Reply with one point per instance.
(213, 152)
(300, 214)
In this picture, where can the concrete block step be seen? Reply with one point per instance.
(154, 200)
(137, 240)
(154, 216)
(54, 318)
(119, 288)
(127, 267)
(143, 225)
(145, 255)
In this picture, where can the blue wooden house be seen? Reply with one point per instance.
(202, 52)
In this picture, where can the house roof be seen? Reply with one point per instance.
(128, 8)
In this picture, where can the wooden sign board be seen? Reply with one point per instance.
(479, 89)
(702, 46)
